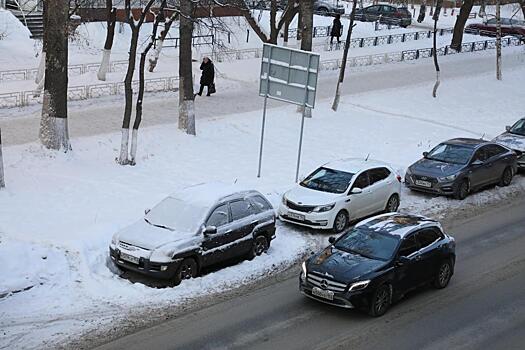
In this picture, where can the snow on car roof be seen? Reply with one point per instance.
(354, 165)
(396, 224)
(206, 194)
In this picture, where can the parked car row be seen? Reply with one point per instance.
(509, 26)
(386, 14)
(321, 7)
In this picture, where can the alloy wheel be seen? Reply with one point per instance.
(340, 222)
(382, 299)
(444, 275)
(393, 204)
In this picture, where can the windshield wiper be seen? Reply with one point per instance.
(159, 226)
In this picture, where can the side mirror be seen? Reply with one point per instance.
(425, 154)
(146, 211)
(477, 162)
(356, 190)
(210, 230)
(402, 260)
(331, 239)
(507, 128)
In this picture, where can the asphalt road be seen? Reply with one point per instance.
(482, 308)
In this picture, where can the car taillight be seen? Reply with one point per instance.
(398, 177)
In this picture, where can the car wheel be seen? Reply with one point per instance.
(444, 274)
(506, 178)
(393, 204)
(340, 222)
(380, 301)
(187, 269)
(461, 190)
(260, 246)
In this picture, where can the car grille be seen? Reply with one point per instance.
(298, 207)
(129, 246)
(322, 282)
(432, 180)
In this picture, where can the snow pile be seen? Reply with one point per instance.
(16, 41)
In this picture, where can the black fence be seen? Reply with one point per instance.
(197, 40)
(319, 32)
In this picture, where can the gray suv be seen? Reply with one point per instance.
(321, 7)
(460, 166)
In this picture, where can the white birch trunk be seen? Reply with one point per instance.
(337, 97)
(53, 131)
(155, 55)
(41, 69)
(133, 155)
(39, 87)
(104, 65)
(187, 111)
(123, 158)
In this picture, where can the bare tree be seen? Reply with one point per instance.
(422, 11)
(186, 97)
(53, 125)
(111, 21)
(342, 70)
(435, 17)
(307, 29)
(153, 60)
(457, 36)
(128, 89)
(498, 39)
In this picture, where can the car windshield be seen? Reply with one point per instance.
(449, 153)
(518, 128)
(368, 243)
(176, 215)
(328, 180)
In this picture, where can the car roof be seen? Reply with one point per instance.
(354, 165)
(207, 194)
(467, 142)
(397, 224)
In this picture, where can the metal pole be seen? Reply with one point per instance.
(302, 117)
(2, 182)
(265, 102)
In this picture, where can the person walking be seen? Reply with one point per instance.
(207, 77)
(336, 29)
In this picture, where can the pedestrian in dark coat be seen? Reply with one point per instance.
(336, 29)
(208, 75)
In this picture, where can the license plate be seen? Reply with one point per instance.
(129, 258)
(296, 216)
(325, 294)
(423, 183)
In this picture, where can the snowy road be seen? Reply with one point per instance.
(104, 115)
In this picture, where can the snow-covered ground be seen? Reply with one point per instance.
(58, 212)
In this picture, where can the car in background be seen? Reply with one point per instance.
(509, 26)
(321, 7)
(514, 138)
(378, 261)
(386, 14)
(197, 227)
(342, 191)
(460, 166)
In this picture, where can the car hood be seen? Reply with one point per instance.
(512, 141)
(428, 167)
(342, 266)
(144, 235)
(306, 196)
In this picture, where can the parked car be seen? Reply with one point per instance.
(197, 227)
(387, 14)
(342, 191)
(460, 166)
(321, 7)
(379, 260)
(508, 27)
(514, 138)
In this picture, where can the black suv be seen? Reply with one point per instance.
(378, 261)
(386, 14)
(459, 166)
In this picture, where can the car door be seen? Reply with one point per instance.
(407, 273)
(358, 204)
(244, 218)
(213, 245)
(387, 11)
(380, 182)
(498, 161)
(428, 255)
(372, 13)
(480, 173)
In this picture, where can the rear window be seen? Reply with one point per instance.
(404, 11)
(260, 203)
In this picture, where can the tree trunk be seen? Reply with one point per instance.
(422, 11)
(342, 70)
(110, 35)
(274, 33)
(522, 4)
(186, 97)
(439, 3)
(53, 125)
(2, 181)
(154, 59)
(457, 36)
(498, 39)
(307, 30)
(41, 69)
(286, 32)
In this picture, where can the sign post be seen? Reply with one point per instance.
(2, 182)
(288, 75)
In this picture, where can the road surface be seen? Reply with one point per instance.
(482, 308)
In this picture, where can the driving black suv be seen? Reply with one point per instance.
(386, 14)
(460, 166)
(378, 261)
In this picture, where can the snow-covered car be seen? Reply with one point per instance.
(342, 191)
(199, 226)
(514, 138)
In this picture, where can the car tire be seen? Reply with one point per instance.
(392, 204)
(461, 189)
(260, 245)
(380, 301)
(443, 275)
(506, 178)
(340, 222)
(188, 268)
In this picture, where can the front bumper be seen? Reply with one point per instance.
(146, 267)
(441, 188)
(346, 300)
(321, 221)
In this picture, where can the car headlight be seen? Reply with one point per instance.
(114, 240)
(303, 271)
(408, 172)
(447, 178)
(324, 208)
(358, 286)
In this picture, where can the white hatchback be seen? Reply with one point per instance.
(342, 191)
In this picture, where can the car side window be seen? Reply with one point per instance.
(219, 217)
(241, 209)
(260, 203)
(378, 174)
(362, 181)
(373, 9)
(387, 9)
(494, 150)
(428, 236)
(408, 246)
(481, 154)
